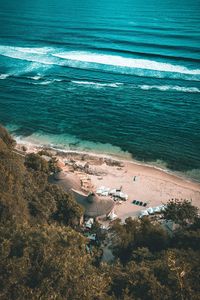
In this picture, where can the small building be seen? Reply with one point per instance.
(67, 181)
(94, 205)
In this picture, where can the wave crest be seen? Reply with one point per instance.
(4, 76)
(101, 62)
(119, 61)
(176, 88)
(162, 88)
(97, 84)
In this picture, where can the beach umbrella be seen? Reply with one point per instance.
(144, 213)
(157, 209)
(150, 210)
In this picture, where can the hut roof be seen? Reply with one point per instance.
(94, 206)
(60, 175)
(67, 181)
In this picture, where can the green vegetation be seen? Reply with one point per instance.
(36, 162)
(155, 265)
(181, 212)
(43, 253)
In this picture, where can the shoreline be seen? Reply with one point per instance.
(36, 147)
(139, 181)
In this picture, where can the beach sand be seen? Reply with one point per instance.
(151, 185)
(141, 182)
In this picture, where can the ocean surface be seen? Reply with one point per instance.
(115, 77)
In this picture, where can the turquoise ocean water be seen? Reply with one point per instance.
(119, 77)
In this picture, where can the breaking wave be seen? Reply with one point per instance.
(46, 82)
(119, 61)
(36, 77)
(97, 84)
(101, 62)
(4, 76)
(162, 88)
(170, 88)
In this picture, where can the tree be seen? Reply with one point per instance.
(123, 237)
(181, 212)
(36, 162)
(43, 257)
(52, 162)
(135, 234)
(169, 274)
(6, 137)
(47, 262)
(136, 281)
(68, 212)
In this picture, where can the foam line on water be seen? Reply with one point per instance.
(47, 82)
(97, 84)
(4, 76)
(119, 61)
(40, 57)
(161, 88)
(164, 88)
(36, 77)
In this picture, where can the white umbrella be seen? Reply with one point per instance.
(150, 210)
(144, 213)
(157, 209)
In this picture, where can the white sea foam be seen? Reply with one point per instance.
(97, 84)
(170, 88)
(43, 50)
(38, 55)
(37, 77)
(47, 82)
(4, 76)
(119, 61)
(91, 60)
(143, 87)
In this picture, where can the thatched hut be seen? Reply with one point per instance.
(94, 205)
(67, 181)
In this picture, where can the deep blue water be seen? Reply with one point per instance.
(109, 76)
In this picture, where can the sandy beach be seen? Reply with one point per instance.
(140, 182)
(151, 185)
